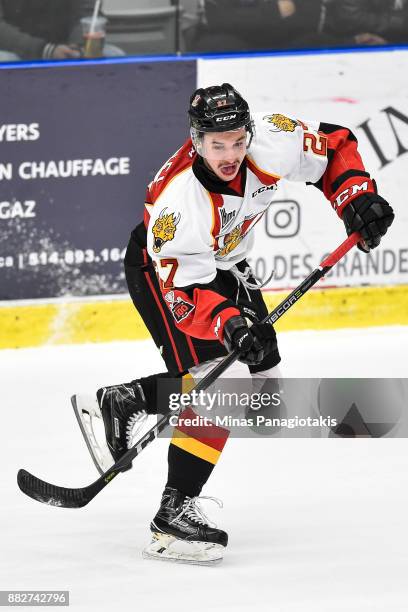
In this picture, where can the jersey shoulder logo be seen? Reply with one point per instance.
(281, 123)
(180, 309)
(164, 229)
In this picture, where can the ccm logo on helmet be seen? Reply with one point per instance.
(225, 118)
(348, 193)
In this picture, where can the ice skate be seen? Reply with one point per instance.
(182, 533)
(110, 421)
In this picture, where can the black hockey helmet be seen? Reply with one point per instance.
(219, 108)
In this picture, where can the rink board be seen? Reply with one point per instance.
(35, 324)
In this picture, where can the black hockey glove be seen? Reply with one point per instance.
(253, 343)
(370, 215)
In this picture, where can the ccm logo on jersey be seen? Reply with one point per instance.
(265, 188)
(226, 118)
(348, 193)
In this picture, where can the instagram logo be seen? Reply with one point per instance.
(283, 219)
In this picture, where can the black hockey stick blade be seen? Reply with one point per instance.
(62, 497)
(53, 495)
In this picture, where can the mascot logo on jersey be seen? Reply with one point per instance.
(164, 229)
(232, 240)
(281, 123)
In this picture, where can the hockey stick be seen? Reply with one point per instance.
(77, 498)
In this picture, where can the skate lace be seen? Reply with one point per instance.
(193, 510)
(134, 425)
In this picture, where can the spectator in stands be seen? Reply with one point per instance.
(39, 29)
(43, 29)
(367, 22)
(241, 25)
(191, 20)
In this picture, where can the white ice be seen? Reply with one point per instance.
(314, 525)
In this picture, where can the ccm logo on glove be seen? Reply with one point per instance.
(346, 195)
(371, 216)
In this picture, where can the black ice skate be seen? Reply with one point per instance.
(111, 421)
(182, 532)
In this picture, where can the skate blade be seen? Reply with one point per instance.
(88, 414)
(165, 547)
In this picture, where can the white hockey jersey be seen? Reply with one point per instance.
(193, 230)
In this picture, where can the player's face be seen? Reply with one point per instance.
(224, 152)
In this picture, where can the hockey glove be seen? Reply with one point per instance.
(370, 215)
(252, 343)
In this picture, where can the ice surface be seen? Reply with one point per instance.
(315, 525)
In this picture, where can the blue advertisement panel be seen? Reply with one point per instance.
(78, 146)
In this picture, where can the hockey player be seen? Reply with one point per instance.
(188, 277)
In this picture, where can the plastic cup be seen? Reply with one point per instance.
(94, 41)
